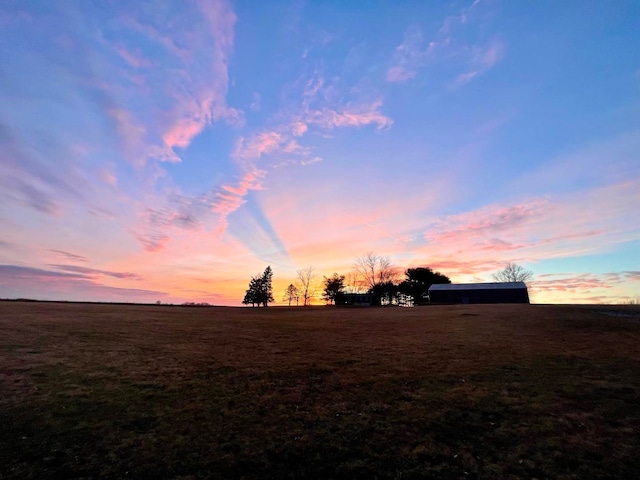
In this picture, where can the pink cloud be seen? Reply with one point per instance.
(181, 213)
(568, 282)
(456, 266)
(633, 275)
(185, 129)
(497, 245)
(480, 241)
(488, 220)
(152, 241)
(273, 142)
(258, 145)
(231, 197)
(351, 116)
(299, 128)
(295, 148)
(187, 91)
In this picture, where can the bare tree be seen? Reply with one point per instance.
(291, 294)
(305, 277)
(513, 273)
(375, 269)
(353, 282)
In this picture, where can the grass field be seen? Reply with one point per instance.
(496, 391)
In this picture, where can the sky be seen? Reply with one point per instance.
(168, 151)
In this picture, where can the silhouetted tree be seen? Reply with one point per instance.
(260, 291)
(417, 283)
(375, 269)
(291, 294)
(513, 273)
(333, 287)
(305, 277)
(266, 291)
(353, 282)
(385, 293)
(252, 296)
(377, 274)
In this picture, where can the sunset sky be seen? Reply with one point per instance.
(171, 150)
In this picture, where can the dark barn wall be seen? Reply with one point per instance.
(507, 295)
(357, 299)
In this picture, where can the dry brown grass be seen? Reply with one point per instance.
(497, 391)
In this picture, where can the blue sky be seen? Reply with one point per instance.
(170, 150)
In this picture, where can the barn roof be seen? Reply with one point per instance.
(478, 286)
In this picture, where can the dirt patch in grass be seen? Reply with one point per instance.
(100, 391)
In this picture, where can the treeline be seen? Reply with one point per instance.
(372, 275)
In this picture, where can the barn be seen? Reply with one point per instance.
(354, 299)
(504, 292)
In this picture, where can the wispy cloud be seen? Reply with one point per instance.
(206, 211)
(133, 57)
(152, 240)
(259, 144)
(482, 59)
(28, 177)
(71, 256)
(447, 47)
(412, 54)
(192, 66)
(350, 116)
(230, 197)
(52, 285)
(477, 242)
(92, 272)
(21, 272)
(489, 220)
(585, 285)
(318, 109)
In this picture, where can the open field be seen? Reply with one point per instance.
(494, 391)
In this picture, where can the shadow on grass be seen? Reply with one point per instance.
(555, 417)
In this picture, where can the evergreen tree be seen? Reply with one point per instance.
(266, 289)
(260, 291)
(252, 296)
(333, 287)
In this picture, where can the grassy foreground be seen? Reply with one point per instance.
(502, 391)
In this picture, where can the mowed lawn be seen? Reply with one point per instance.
(496, 391)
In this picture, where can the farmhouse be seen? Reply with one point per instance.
(507, 292)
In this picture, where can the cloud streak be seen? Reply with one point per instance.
(92, 272)
(208, 211)
(71, 256)
(51, 285)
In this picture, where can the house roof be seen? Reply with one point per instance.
(478, 286)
